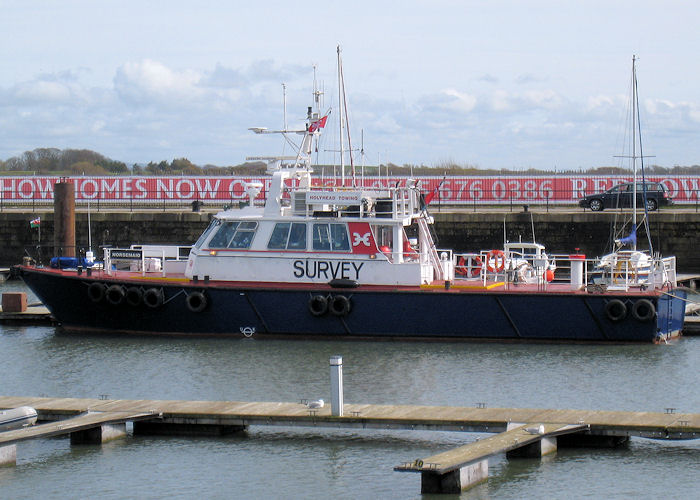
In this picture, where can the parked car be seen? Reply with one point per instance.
(621, 197)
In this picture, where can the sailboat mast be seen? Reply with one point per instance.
(634, 107)
(340, 118)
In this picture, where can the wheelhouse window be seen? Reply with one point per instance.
(288, 236)
(384, 236)
(214, 224)
(234, 235)
(297, 237)
(330, 237)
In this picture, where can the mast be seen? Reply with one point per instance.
(634, 110)
(340, 118)
(641, 160)
(636, 141)
(284, 103)
(344, 122)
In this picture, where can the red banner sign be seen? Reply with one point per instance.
(564, 189)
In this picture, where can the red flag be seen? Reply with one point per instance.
(318, 124)
(435, 192)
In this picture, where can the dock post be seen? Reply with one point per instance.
(8, 455)
(538, 449)
(64, 219)
(456, 481)
(98, 435)
(337, 386)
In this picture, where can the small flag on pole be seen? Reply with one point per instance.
(429, 197)
(318, 124)
(35, 222)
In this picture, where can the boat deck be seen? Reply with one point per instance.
(459, 285)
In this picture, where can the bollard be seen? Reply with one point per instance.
(337, 386)
(64, 218)
(578, 264)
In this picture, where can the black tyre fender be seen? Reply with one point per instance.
(153, 297)
(616, 310)
(196, 302)
(318, 305)
(643, 310)
(96, 292)
(115, 294)
(340, 305)
(134, 296)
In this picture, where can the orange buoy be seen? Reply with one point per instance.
(499, 261)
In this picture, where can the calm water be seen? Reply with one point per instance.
(308, 463)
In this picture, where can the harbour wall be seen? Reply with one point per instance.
(673, 233)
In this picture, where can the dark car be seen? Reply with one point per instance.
(621, 197)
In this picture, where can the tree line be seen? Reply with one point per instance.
(71, 162)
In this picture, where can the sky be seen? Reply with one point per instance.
(494, 84)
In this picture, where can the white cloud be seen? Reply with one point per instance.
(599, 102)
(543, 98)
(500, 100)
(153, 111)
(42, 91)
(149, 80)
(460, 100)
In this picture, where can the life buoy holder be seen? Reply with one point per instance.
(643, 310)
(318, 305)
(96, 292)
(196, 302)
(340, 305)
(153, 297)
(499, 261)
(134, 295)
(616, 310)
(469, 267)
(115, 294)
(461, 267)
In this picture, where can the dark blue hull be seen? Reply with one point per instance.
(356, 313)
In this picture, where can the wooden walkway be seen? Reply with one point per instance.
(448, 472)
(71, 425)
(34, 315)
(659, 425)
(504, 442)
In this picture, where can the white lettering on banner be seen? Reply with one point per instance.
(8, 187)
(206, 190)
(464, 190)
(83, 191)
(578, 188)
(163, 189)
(690, 188)
(126, 188)
(180, 192)
(109, 189)
(476, 191)
(600, 185)
(498, 190)
(237, 183)
(364, 239)
(45, 191)
(141, 188)
(21, 189)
